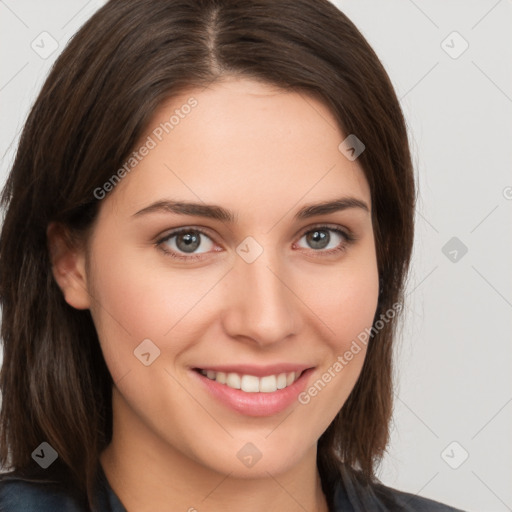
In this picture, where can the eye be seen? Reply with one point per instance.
(183, 243)
(327, 240)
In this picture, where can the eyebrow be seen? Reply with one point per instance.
(215, 212)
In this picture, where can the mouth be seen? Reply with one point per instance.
(269, 392)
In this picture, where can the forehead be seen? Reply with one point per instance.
(247, 145)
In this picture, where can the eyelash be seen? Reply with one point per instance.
(172, 254)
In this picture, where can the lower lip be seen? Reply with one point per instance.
(255, 404)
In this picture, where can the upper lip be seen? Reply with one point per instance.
(257, 371)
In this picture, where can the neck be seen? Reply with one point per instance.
(148, 474)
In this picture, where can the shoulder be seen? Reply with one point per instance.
(351, 493)
(19, 493)
(412, 502)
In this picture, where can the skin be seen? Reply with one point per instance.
(262, 153)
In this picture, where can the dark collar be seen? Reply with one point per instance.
(107, 498)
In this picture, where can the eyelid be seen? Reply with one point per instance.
(184, 229)
(347, 233)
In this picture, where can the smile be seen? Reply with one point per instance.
(272, 390)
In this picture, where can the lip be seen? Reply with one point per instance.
(254, 404)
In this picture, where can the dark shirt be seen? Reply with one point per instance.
(23, 494)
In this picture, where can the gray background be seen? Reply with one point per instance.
(453, 394)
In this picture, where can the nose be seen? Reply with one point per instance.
(261, 307)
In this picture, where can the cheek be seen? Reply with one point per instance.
(135, 301)
(346, 304)
(350, 307)
(345, 297)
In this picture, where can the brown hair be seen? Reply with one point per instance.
(94, 106)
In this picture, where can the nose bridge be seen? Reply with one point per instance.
(262, 306)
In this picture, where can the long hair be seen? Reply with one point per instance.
(94, 106)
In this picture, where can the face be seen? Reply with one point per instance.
(252, 287)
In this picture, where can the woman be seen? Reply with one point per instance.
(207, 228)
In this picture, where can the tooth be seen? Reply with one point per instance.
(250, 384)
(233, 380)
(268, 384)
(281, 381)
